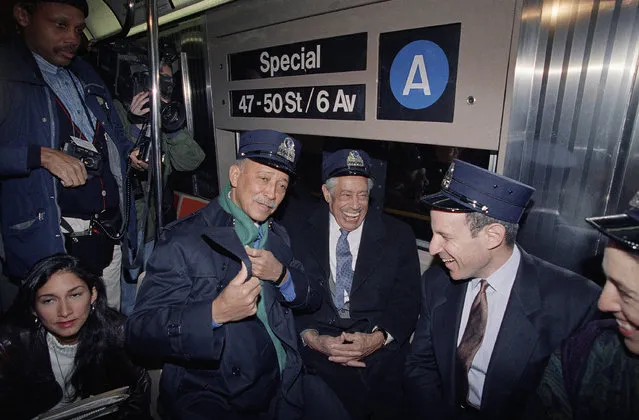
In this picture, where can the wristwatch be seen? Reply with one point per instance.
(282, 276)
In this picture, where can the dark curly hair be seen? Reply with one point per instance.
(101, 332)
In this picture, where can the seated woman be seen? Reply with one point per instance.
(60, 342)
(595, 374)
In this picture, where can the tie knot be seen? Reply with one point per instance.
(344, 232)
(483, 283)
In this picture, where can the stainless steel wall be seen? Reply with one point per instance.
(572, 130)
(189, 39)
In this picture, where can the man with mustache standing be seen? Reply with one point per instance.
(52, 101)
(216, 302)
(366, 267)
(491, 314)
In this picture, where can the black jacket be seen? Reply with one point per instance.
(385, 282)
(547, 303)
(215, 373)
(28, 386)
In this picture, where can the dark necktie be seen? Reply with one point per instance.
(344, 269)
(473, 336)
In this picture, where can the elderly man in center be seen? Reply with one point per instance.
(491, 314)
(216, 301)
(366, 267)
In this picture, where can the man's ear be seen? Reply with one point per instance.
(21, 16)
(234, 175)
(495, 235)
(327, 194)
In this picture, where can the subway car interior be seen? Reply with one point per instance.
(545, 92)
(541, 91)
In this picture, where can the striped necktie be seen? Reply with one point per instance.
(344, 269)
(473, 336)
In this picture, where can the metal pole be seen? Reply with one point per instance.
(154, 57)
(188, 106)
(186, 89)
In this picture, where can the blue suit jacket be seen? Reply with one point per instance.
(547, 303)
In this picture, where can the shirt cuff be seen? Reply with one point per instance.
(389, 337)
(304, 332)
(287, 288)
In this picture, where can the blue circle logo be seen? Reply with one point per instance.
(419, 74)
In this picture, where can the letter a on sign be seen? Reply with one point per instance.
(418, 64)
(419, 74)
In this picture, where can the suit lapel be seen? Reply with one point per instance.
(447, 313)
(370, 249)
(318, 235)
(516, 339)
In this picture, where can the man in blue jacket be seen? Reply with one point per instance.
(216, 302)
(51, 100)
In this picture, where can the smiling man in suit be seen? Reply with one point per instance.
(365, 264)
(491, 314)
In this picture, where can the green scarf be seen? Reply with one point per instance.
(255, 237)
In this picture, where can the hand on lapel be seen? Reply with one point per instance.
(238, 300)
(265, 265)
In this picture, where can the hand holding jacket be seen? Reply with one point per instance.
(238, 300)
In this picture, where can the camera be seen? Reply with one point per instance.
(86, 153)
(145, 149)
(172, 116)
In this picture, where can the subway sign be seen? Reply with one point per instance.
(418, 74)
(328, 55)
(341, 102)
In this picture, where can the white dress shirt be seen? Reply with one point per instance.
(353, 238)
(500, 283)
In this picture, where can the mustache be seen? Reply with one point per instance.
(263, 200)
(67, 48)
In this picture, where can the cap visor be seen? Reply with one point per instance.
(619, 227)
(349, 172)
(441, 201)
(273, 164)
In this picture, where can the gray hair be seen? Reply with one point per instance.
(240, 163)
(477, 221)
(332, 182)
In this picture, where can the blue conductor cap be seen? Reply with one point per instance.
(467, 188)
(272, 148)
(346, 162)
